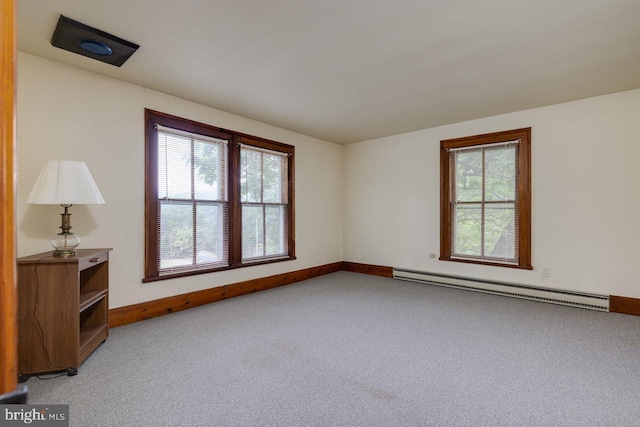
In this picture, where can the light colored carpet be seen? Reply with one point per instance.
(353, 350)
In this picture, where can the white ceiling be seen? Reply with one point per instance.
(352, 70)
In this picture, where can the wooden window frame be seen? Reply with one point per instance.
(151, 268)
(523, 202)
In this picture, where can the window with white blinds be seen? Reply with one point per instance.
(214, 199)
(486, 199)
(193, 214)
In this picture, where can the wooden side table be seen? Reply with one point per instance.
(63, 310)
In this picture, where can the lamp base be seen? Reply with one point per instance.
(65, 243)
(65, 252)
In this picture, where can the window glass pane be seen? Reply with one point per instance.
(468, 174)
(275, 230)
(499, 231)
(176, 235)
(467, 230)
(210, 229)
(273, 178)
(250, 176)
(174, 166)
(252, 231)
(500, 173)
(208, 174)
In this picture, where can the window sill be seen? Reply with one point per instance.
(489, 263)
(217, 269)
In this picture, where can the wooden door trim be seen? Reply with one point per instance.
(8, 291)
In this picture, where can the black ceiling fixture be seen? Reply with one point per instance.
(88, 41)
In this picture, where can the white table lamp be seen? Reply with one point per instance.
(65, 183)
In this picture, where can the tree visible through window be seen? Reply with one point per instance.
(485, 207)
(216, 199)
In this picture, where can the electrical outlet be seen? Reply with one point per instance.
(546, 272)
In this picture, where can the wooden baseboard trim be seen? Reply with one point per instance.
(376, 270)
(624, 305)
(147, 310)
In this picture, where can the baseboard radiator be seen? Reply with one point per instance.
(553, 296)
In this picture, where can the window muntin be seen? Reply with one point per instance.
(205, 211)
(485, 207)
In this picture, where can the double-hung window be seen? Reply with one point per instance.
(215, 199)
(193, 211)
(263, 195)
(486, 199)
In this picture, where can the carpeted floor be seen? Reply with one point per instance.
(347, 349)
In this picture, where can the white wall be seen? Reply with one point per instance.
(585, 196)
(383, 193)
(69, 114)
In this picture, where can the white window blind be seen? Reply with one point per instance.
(193, 212)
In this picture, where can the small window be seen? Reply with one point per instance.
(486, 199)
(215, 199)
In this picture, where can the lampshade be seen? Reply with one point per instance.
(64, 182)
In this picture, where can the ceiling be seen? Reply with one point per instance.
(351, 70)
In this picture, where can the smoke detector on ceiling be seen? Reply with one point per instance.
(90, 42)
